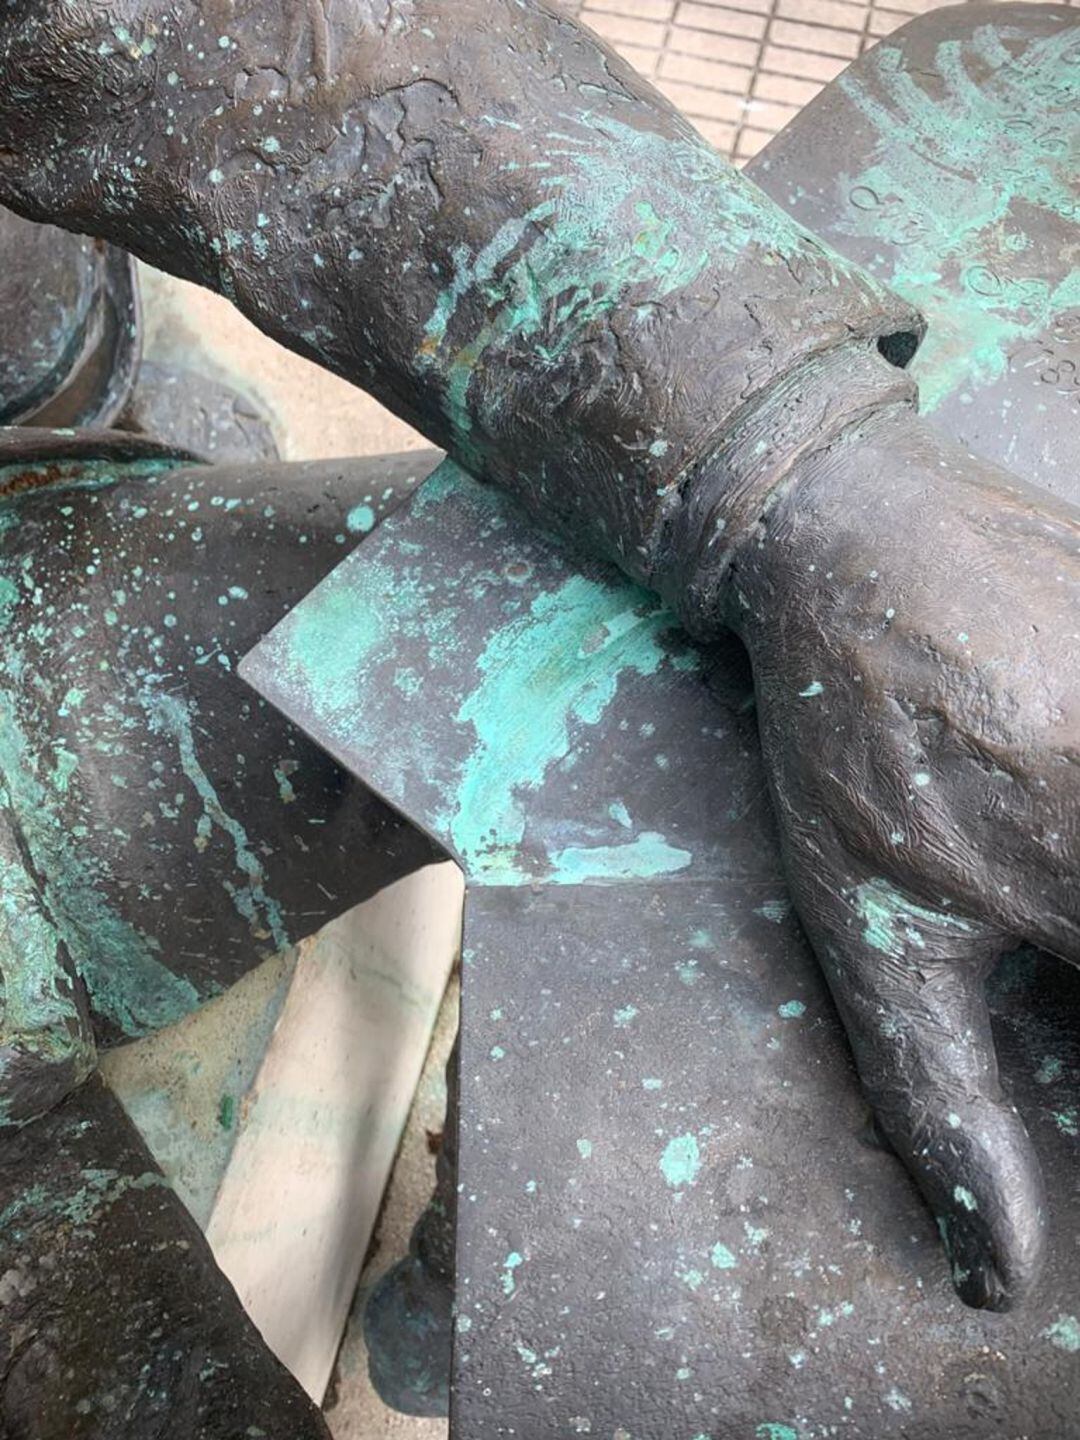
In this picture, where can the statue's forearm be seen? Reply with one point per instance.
(475, 210)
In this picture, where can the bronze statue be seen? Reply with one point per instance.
(161, 831)
(524, 251)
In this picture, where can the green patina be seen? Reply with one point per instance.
(774, 1430)
(956, 178)
(9, 598)
(634, 217)
(547, 667)
(691, 1277)
(282, 770)
(129, 985)
(648, 855)
(479, 272)
(38, 1015)
(54, 891)
(1050, 1069)
(681, 1161)
(891, 922)
(775, 910)
(169, 714)
(722, 1258)
(510, 1264)
(619, 813)
(360, 519)
(1064, 1333)
(66, 843)
(557, 666)
(99, 1190)
(64, 769)
(337, 631)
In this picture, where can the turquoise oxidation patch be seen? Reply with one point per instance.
(461, 682)
(53, 876)
(556, 666)
(956, 175)
(594, 239)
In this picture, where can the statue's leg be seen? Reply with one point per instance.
(46, 1041)
(408, 1318)
(138, 751)
(98, 740)
(115, 1322)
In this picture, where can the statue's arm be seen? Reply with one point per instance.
(476, 211)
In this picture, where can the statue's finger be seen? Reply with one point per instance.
(908, 979)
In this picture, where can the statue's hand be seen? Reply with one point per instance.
(913, 618)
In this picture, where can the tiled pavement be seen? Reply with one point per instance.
(740, 69)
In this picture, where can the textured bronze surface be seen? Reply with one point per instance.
(519, 246)
(479, 213)
(70, 345)
(117, 1321)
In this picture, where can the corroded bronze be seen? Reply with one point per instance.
(522, 249)
(116, 1321)
(69, 352)
(162, 831)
